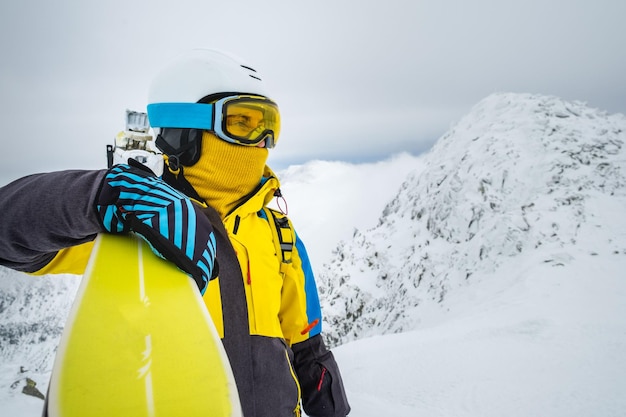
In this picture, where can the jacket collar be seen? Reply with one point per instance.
(260, 197)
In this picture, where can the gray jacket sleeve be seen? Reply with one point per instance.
(43, 213)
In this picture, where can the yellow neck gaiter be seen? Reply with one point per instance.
(226, 173)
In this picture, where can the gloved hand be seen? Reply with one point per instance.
(323, 393)
(135, 200)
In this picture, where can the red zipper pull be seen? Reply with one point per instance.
(309, 327)
(319, 385)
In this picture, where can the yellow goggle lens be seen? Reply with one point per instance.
(251, 119)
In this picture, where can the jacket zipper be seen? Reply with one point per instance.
(296, 410)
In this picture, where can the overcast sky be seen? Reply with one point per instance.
(355, 80)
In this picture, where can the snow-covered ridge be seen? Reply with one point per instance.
(32, 316)
(519, 174)
(30, 309)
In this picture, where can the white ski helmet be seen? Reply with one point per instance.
(203, 72)
(206, 89)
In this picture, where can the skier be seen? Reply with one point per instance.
(215, 124)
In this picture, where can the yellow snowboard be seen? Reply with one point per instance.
(139, 342)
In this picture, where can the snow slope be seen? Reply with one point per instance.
(499, 256)
(551, 343)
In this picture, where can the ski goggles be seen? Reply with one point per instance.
(242, 119)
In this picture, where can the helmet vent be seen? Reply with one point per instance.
(251, 69)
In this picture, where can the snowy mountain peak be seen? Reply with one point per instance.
(520, 176)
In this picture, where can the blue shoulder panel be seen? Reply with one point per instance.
(313, 309)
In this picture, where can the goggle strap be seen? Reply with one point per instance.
(181, 115)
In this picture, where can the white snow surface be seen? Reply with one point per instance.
(485, 278)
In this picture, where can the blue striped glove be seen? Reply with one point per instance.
(134, 200)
